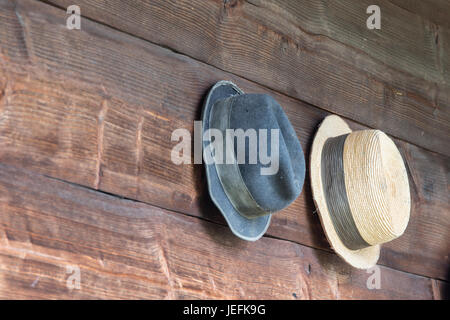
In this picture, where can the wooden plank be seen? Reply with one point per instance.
(124, 249)
(318, 51)
(441, 290)
(70, 113)
(434, 10)
(444, 48)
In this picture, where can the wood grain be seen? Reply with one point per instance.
(97, 107)
(125, 249)
(441, 290)
(433, 10)
(318, 51)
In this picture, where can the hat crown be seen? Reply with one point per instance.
(376, 185)
(261, 111)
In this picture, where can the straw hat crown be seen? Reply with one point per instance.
(376, 184)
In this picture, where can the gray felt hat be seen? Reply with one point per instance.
(246, 197)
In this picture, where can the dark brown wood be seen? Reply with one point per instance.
(97, 107)
(441, 289)
(321, 52)
(125, 249)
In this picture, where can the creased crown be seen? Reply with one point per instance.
(277, 191)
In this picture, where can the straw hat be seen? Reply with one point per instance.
(360, 188)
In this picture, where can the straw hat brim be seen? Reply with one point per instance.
(333, 126)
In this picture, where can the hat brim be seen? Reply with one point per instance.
(242, 227)
(333, 126)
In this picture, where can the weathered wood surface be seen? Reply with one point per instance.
(441, 290)
(436, 11)
(106, 123)
(97, 107)
(125, 249)
(395, 79)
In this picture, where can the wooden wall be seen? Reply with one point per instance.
(86, 118)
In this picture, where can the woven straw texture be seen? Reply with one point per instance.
(376, 185)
